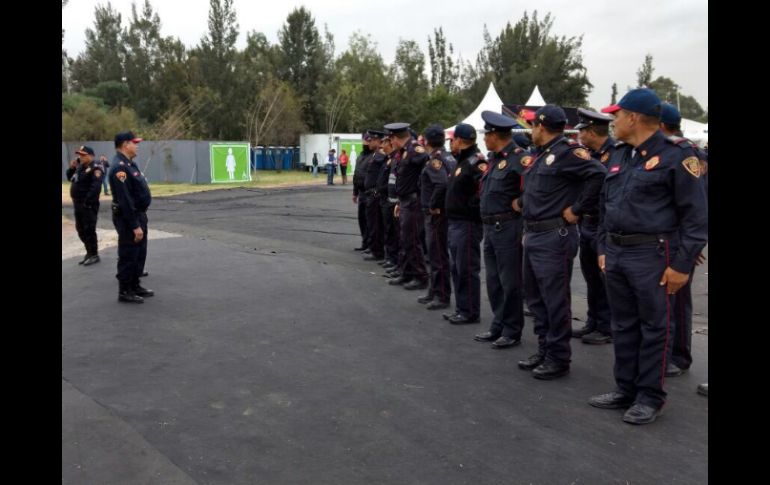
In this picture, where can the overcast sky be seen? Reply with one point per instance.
(616, 34)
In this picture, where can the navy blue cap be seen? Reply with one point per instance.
(434, 134)
(497, 122)
(551, 116)
(395, 128)
(641, 100)
(366, 136)
(126, 136)
(591, 118)
(84, 150)
(465, 131)
(375, 134)
(670, 115)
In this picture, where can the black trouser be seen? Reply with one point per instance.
(680, 352)
(85, 223)
(391, 230)
(598, 307)
(548, 258)
(436, 232)
(641, 318)
(411, 223)
(503, 260)
(131, 255)
(374, 225)
(465, 263)
(362, 221)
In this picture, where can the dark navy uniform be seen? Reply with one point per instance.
(359, 191)
(412, 160)
(433, 181)
(84, 190)
(465, 231)
(373, 209)
(130, 200)
(562, 175)
(597, 328)
(501, 185)
(653, 216)
(386, 186)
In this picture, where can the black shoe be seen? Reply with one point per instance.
(672, 370)
(367, 251)
(399, 281)
(585, 330)
(437, 305)
(145, 273)
(486, 337)
(447, 316)
(91, 260)
(85, 258)
(611, 400)
(531, 362)
(425, 299)
(550, 370)
(129, 297)
(394, 275)
(382, 262)
(371, 257)
(389, 265)
(460, 319)
(703, 389)
(505, 342)
(362, 248)
(143, 292)
(597, 338)
(641, 414)
(416, 285)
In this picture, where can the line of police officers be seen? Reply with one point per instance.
(635, 210)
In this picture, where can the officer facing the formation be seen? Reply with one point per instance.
(500, 186)
(130, 200)
(373, 211)
(433, 195)
(86, 178)
(559, 184)
(465, 231)
(594, 134)
(412, 159)
(653, 225)
(679, 356)
(388, 201)
(358, 190)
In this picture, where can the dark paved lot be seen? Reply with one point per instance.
(273, 354)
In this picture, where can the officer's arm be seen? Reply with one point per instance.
(95, 189)
(592, 173)
(122, 197)
(690, 200)
(71, 172)
(601, 232)
(439, 179)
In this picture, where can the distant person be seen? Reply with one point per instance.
(86, 177)
(315, 165)
(331, 164)
(106, 166)
(344, 159)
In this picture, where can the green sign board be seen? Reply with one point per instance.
(230, 163)
(353, 148)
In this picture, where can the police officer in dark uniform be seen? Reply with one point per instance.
(433, 197)
(130, 200)
(653, 224)
(86, 176)
(465, 231)
(358, 191)
(374, 225)
(594, 134)
(388, 201)
(559, 184)
(500, 186)
(680, 351)
(409, 210)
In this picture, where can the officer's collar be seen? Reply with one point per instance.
(468, 152)
(607, 144)
(655, 139)
(507, 149)
(547, 147)
(125, 158)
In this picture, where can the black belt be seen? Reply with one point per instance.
(636, 239)
(408, 197)
(496, 218)
(372, 192)
(544, 225)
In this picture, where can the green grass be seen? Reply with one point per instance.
(260, 179)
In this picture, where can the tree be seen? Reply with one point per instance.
(443, 70)
(409, 82)
(102, 59)
(65, 61)
(114, 94)
(86, 118)
(670, 92)
(143, 61)
(614, 99)
(644, 74)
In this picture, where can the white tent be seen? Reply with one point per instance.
(535, 99)
(490, 102)
(695, 131)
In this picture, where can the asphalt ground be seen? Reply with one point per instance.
(272, 353)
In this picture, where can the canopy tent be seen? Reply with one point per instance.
(535, 99)
(695, 131)
(490, 102)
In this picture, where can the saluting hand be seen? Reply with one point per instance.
(674, 280)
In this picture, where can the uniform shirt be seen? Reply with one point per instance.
(129, 189)
(360, 172)
(395, 158)
(86, 183)
(434, 177)
(384, 175)
(605, 151)
(656, 189)
(503, 181)
(413, 158)
(376, 161)
(462, 192)
(562, 175)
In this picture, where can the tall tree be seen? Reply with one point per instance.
(444, 71)
(644, 74)
(102, 59)
(409, 81)
(143, 61)
(65, 61)
(614, 98)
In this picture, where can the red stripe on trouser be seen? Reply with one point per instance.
(668, 322)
